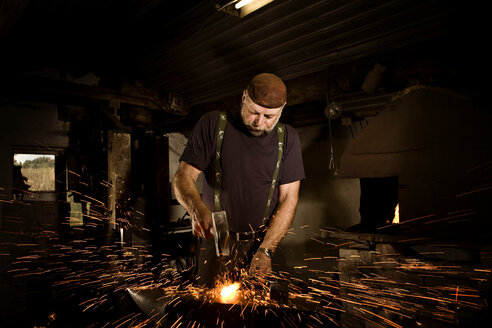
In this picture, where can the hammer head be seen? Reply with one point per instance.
(221, 233)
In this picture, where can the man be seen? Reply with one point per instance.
(243, 169)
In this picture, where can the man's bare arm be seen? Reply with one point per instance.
(184, 186)
(283, 216)
(279, 224)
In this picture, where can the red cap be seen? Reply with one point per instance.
(267, 90)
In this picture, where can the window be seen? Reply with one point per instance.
(33, 173)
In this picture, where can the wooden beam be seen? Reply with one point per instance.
(56, 91)
(119, 167)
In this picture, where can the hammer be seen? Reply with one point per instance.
(220, 232)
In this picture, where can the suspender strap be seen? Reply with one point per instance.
(218, 168)
(281, 134)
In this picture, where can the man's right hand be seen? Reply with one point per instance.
(201, 222)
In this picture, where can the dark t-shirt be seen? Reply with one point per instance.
(248, 164)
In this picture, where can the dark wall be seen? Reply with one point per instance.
(325, 198)
(28, 125)
(437, 142)
(25, 226)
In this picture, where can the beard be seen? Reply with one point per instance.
(255, 130)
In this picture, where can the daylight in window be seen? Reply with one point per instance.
(34, 172)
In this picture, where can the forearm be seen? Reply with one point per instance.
(184, 185)
(277, 228)
(187, 193)
(280, 222)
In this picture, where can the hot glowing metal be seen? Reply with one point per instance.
(229, 293)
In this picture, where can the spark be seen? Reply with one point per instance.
(473, 191)
(317, 240)
(413, 239)
(451, 217)
(107, 269)
(346, 243)
(380, 317)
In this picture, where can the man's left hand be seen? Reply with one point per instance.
(260, 263)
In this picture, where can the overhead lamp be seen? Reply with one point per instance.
(242, 3)
(241, 8)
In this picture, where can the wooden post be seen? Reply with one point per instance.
(119, 165)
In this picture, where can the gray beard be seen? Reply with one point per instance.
(256, 133)
(253, 131)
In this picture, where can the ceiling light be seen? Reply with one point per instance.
(241, 8)
(241, 3)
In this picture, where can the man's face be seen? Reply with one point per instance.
(258, 120)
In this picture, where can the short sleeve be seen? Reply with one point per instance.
(292, 166)
(200, 148)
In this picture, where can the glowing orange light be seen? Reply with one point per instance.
(228, 293)
(396, 219)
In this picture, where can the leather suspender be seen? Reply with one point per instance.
(218, 168)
